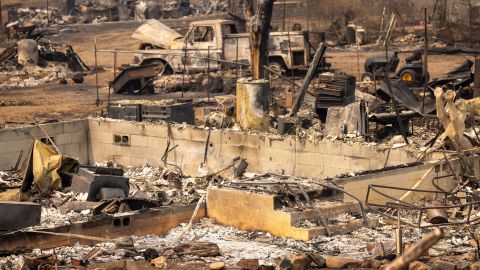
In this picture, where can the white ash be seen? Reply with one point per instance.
(34, 76)
(234, 244)
(14, 262)
(52, 217)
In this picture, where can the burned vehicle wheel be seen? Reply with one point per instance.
(78, 78)
(409, 76)
(367, 77)
(276, 69)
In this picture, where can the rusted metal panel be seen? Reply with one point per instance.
(133, 78)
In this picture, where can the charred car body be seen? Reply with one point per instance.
(215, 45)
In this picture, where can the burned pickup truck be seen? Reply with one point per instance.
(214, 45)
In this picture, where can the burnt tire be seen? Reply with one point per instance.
(277, 69)
(409, 77)
(367, 77)
(78, 80)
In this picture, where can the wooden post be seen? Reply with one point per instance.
(476, 88)
(114, 65)
(96, 70)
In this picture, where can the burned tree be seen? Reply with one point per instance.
(253, 93)
(258, 26)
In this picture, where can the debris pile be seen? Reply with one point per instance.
(33, 61)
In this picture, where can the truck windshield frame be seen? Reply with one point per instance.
(202, 34)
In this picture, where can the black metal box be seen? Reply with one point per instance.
(130, 112)
(177, 113)
(335, 89)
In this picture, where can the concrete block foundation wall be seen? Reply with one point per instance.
(93, 140)
(415, 177)
(71, 138)
(148, 142)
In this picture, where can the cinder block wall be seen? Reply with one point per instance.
(92, 140)
(147, 145)
(70, 137)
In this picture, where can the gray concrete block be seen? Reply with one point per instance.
(92, 180)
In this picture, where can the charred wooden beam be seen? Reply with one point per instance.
(416, 250)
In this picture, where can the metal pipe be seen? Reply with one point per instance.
(236, 60)
(425, 63)
(394, 101)
(208, 74)
(437, 215)
(398, 235)
(114, 65)
(308, 78)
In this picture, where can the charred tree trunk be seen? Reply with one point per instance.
(259, 27)
(252, 104)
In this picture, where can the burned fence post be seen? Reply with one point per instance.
(253, 93)
(97, 102)
(476, 88)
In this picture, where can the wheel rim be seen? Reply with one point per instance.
(407, 77)
(366, 79)
(276, 71)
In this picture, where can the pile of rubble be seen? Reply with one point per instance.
(33, 61)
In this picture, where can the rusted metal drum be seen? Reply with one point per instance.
(438, 215)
